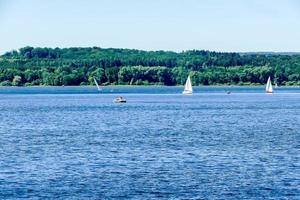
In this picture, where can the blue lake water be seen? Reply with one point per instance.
(74, 143)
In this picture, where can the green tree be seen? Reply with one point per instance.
(17, 81)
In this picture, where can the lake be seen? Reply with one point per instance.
(74, 143)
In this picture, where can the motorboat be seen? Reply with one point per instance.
(119, 100)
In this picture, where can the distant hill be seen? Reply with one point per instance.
(270, 53)
(78, 66)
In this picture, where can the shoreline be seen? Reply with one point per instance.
(119, 86)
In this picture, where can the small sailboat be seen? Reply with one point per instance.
(96, 83)
(269, 88)
(188, 86)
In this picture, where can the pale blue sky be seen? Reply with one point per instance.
(220, 25)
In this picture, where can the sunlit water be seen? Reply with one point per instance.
(74, 143)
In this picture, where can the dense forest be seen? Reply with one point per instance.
(78, 66)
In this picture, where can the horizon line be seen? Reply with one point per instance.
(165, 50)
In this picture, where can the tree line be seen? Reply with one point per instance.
(78, 66)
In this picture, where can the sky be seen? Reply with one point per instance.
(177, 25)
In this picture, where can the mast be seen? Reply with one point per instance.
(97, 84)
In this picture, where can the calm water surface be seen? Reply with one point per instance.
(74, 143)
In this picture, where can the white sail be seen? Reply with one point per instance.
(269, 88)
(188, 86)
(97, 84)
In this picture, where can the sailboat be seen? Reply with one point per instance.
(99, 89)
(269, 88)
(188, 86)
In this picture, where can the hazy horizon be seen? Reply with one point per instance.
(176, 51)
(217, 25)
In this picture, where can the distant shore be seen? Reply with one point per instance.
(88, 86)
(31, 66)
